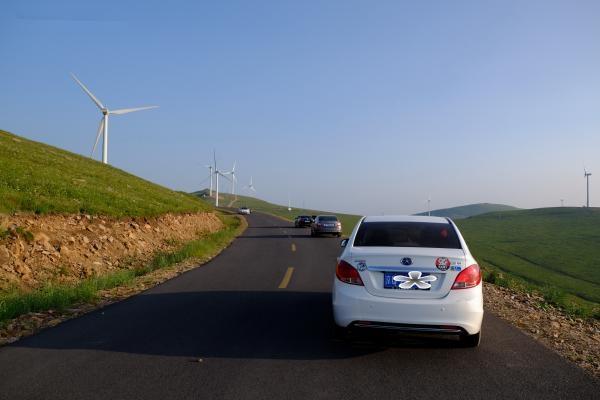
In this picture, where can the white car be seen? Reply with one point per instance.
(244, 210)
(409, 273)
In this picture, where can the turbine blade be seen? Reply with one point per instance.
(94, 99)
(130, 110)
(100, 128)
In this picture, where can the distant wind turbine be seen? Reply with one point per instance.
(103, 128)
(216, 172)
(210, 172)
(587, 175)
(429, 206)
(233, 178)
(250, 186)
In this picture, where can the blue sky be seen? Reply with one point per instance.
(357, 106)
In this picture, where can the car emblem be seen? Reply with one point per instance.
(406, 261)
(442, 263)
(414, 278)
(361, 265)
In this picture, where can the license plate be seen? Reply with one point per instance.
(390, 283)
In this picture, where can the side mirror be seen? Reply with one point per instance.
(344, 243)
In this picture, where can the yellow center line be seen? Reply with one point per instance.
(286, 278)
(293, 247)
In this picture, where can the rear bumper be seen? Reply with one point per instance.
(328, 230)
(460, 309)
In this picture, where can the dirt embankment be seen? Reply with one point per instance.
(66, 248)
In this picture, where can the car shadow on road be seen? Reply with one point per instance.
(222, 324)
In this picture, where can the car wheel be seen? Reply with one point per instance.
(471, 340)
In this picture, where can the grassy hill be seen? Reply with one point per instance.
(348, 220)
(35, 177)
(553, 249)
(469, 210)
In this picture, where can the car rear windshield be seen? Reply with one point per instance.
(328, 218)
(407, 234)
(304, 217)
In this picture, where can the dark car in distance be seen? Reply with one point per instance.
(302, 221)
(323, 224)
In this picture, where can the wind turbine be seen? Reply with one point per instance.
(210, 174)
(217, 173)
(429, 206)
(233, 178)
(250, 186)
(587, 175)
(103, 128)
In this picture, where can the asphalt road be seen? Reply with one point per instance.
(235, 329)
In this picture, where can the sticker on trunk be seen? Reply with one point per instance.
(361, 265)
(442, 263)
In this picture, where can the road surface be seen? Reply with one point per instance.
(254, 323)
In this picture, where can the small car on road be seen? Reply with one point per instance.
(302, 221)
(326, 224)
(244, 210)
(408, 273)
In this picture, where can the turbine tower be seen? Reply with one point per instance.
(587, 175)
(210, 172)
(216, 172)
(429, 206)
(233, 178)
(103, 128)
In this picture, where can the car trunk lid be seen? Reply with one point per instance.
(423, 272)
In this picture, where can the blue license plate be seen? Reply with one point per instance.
(390, 283)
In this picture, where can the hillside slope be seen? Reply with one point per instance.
(35, 177)
(469, 210)
(556, 249)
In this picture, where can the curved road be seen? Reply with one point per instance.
(246, 325)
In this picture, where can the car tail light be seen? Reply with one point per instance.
(348, 274)
(468, 278)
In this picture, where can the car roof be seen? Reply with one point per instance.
(326, 215)
(406, 218)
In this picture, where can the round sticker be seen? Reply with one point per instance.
(442, 263)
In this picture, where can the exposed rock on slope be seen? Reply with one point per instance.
(63, 248)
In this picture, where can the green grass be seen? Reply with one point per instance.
(38, 178)
(348, 221)
(552, 250)
(61, 296)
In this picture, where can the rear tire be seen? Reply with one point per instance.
(470, 340)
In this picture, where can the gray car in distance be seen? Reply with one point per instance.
(326, 224)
